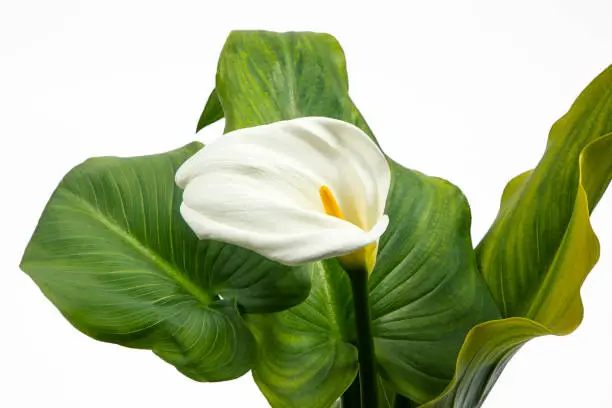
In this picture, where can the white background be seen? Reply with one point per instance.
(465, 90)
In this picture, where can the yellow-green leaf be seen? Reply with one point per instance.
(541, 247)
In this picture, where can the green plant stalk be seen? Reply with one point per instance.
(365, 343)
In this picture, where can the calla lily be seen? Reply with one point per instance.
(293, 191)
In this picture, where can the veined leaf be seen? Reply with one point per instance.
(541, 246)
(487, 349)
(425, 291)
(533, 258)
(112, 252)
(266, 77)
(309, 346)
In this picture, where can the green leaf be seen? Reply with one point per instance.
(541, 246)
(212, 111)
(112, 252)
(425, 291)
(264, 77)
(308, 347)
(487, 349)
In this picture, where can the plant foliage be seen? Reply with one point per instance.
(113, 254)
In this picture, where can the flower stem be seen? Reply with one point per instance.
(365, 342)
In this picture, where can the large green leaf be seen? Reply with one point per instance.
(112, 252)
(264, 77)
(308, 347)
(425, 291)
(524, 256)
(541, 246)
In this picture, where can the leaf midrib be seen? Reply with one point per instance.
(174, 273)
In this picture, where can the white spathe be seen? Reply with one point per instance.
(259, 188)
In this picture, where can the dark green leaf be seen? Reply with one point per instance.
(308, 347)
(264, 77)
(425, 291)
(112, 252)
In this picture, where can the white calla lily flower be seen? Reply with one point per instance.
(293, 191)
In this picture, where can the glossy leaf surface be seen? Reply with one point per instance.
(112, 252)
(487, 349)
(543, 219)
(541, 246)
(308, 347)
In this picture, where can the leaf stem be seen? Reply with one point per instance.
(365, 342)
